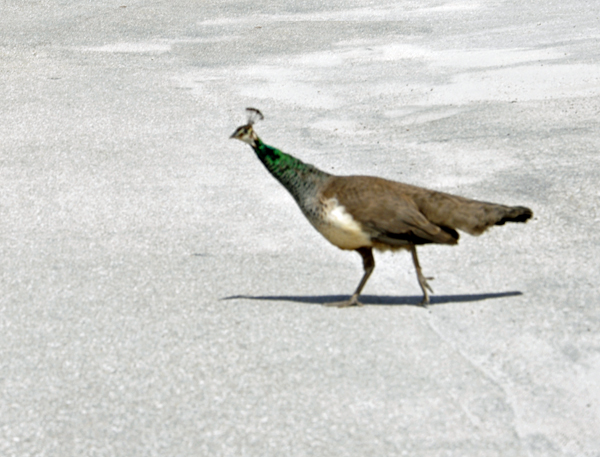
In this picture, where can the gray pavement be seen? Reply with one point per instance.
(160, 292)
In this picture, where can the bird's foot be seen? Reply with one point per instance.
(426, 288)
(353, 301)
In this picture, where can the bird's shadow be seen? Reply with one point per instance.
(385, 300)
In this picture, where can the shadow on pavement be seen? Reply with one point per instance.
(412, 300)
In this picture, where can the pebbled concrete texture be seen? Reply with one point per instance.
(160, 292)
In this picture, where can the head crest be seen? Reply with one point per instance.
(254, 115)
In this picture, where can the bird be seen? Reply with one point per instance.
(362, 213)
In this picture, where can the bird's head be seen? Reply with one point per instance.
(246, 133)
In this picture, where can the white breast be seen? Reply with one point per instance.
(340, 228)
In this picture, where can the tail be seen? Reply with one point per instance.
(471, 216)
(476, 217)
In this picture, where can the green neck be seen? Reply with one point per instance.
(297, 177)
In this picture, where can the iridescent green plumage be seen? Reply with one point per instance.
(299, 178)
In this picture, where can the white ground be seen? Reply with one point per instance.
(129, 220)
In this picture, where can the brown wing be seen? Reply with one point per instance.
(386, 212)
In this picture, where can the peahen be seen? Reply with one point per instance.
(364, 212)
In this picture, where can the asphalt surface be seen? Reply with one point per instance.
(161, 293)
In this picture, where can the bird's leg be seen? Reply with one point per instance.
(422, 279)
(369, 266)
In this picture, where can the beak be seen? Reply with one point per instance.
(233, 135)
